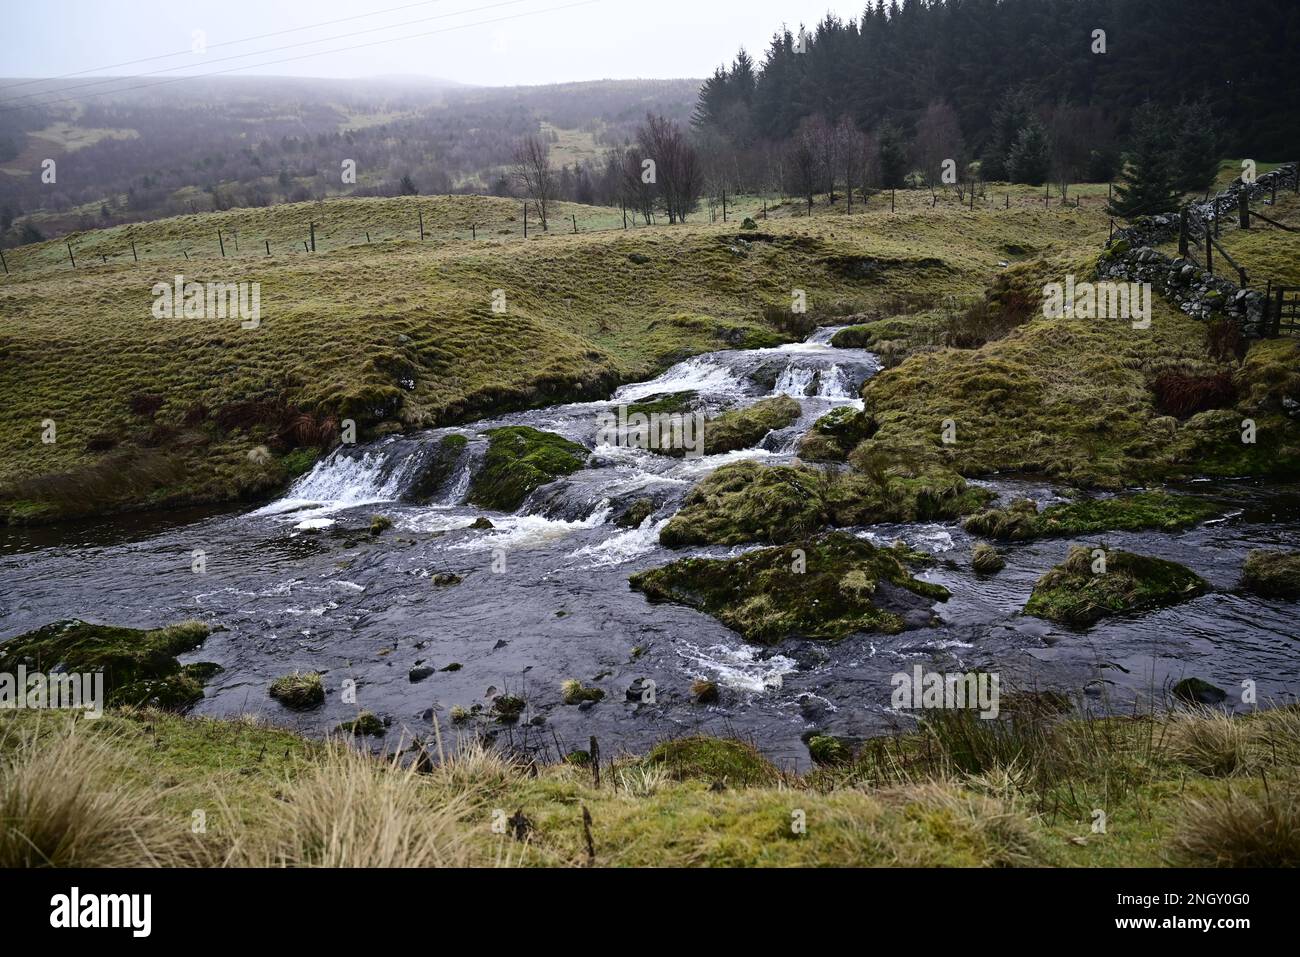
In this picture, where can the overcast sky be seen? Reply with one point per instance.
(525, 45)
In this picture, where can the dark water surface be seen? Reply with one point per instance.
(291, 586)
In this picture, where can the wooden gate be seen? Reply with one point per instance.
(1283, 312)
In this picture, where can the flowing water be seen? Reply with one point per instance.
(300, 585)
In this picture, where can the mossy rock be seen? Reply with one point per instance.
(365, 723)
(1272, 574)
(824, 588)
(508, 707)
(986, 559)
(636, 513)
(668, 402)
(574, 692)
(714, 759)
(437, 469)
(520, 459)
(140, 666)
(1161, 511)
(1199, 692)
(482, 522)
(836, 434)
(853, 337)
(380, 524)
(445, 579)
(299, 691)
(1073, 595)
(778, 504)
(744, 428)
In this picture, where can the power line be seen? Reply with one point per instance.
(223, 43)
(287, 46)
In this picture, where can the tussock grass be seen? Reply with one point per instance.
(1022, 790)
(64, 803)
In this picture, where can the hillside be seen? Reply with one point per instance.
(399, 334)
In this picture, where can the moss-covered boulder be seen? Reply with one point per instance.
(437, 468)
(744, 428)
(836, 434)
(748, 502)
(1022, 520)
(1074, 594)
(823, 588)
(520, 459)
(1197, 691)
(1272, 574)
(139, 666)
(636, 513)
(574, 691)
(853, 337)
(734, 762)
(299, 691)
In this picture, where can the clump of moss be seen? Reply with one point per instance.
(986, 559)
(299, 691)
(380, 524)
(1021, 520)
(139, 666)
(573, 692)
(748, 502)
(824, 588)
(520, 459)
(826, 749)
(704, 691)
(714, 759)
(445, 579)
(508, 707)
(836, 434)
(1272, 574)
(1072, 594)
(365, 723)
(853, 337)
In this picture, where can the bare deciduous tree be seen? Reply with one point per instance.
(532, 170)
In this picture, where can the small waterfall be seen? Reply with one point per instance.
(700, 374)
(794, 381)
(834, 384)
(346, 479)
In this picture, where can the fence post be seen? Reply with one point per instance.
(574, 217)
(70, 256)
(724, 205)
(623, 206)
(133, 253)
(473, 232)
(313, 236)
(525, 220)
(764, 208)
(221, 242)
(235, 233)
(420, 213)
(3, 263)
(891, 199)
(1182, 231)
(1243, 208)
(268, 247)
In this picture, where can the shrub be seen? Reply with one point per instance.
(1183, 395)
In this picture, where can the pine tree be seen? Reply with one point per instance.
(1149, 185)
(1030, 159)
(1196, 147)
(893, 155)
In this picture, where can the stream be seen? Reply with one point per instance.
(299, 584)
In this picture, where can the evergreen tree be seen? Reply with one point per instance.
(893, 156)
(1149, 185)
(1030, 158)
(1196, 147)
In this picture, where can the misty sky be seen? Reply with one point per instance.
(602, 39)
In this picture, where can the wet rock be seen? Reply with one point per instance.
(419, 673)
(445, 579)
(482, 522)
(638, 689)
(1196, 691)
(1081, 591)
